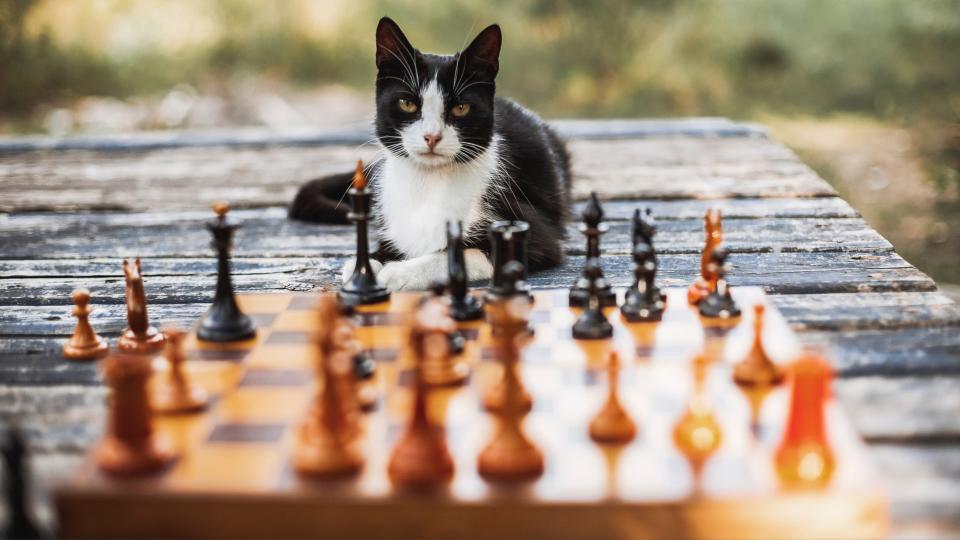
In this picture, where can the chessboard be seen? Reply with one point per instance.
(233, 477)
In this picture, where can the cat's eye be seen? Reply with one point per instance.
(460, 109)
(407, 106)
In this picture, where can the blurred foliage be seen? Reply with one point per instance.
(889, 59)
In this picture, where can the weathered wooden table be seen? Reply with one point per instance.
(73, 208)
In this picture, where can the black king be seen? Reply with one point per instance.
(362, 287)
(224, 321)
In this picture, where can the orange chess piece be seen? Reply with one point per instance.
(84, 344)
(421, 460)
(706, 283)
(139, 337)
(757, 374)
(510, 455)
(804, 457)
(177, 394)
(697, 433)
(131, 447)
(612, 423)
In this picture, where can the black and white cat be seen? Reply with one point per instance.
(452, 151)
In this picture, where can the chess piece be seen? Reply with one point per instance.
(463, 305)
(592, 227)
(706, 282)
(508, 240)
(756, 368)
(719, 304)
(139, 337)
(84, 344)
(804, 458)
(612, 423)
(325, 443)
(362, 286)
(643, 229)
(224, 321)
(697, 433)
(643, 301)
(592, 323)
(336, 335)
(364, 372)
(510, 455)
(20, 523)
(442, 366)
(130, 446)
(420, 460)
(177, 394)
(495, 397)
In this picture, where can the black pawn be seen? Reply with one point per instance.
(224, 321)
(643, 301)
(463, 305)
(592, 323)
(19, 522)
(508, 241)
(719, 304)
(644, 229)
(362, 286)
(592, 227)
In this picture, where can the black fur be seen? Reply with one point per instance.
(535, 157)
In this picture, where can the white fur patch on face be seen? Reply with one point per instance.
(432, 122)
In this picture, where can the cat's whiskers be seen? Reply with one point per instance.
(406, 67)
(413, 57)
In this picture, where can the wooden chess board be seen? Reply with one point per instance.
(234, 479)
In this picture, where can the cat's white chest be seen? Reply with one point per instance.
(415, 204)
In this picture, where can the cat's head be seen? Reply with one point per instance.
(435, 110)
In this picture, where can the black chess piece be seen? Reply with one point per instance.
(362, 286)
(644, 228)
(456, 339)
(592, 323)
(20, 523)
(643, 301)
(592, 227)
(719, 304)
(508, 240)
(224, 321)
(463, 305)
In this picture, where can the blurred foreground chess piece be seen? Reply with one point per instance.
(612, 423)
(706, 282)
(592, 323)
(443, 366)
(362, 286)
(510, 455)
(16, 493)
(804, 458)
(719, 304)
(756, 375)
(84, 344)
(325, 444)
(697, 433)
(130, 446)
(495, 397)
(463, 305)
(420, 459)
(139, 337)
(592, 227)
(176, 393)
(224, 321)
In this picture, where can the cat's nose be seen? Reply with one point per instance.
(432, 139)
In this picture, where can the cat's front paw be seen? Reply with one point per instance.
(348, 268)
(412, 275)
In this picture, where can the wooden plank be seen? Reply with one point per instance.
(869, 310)
(903, 409)
(901, 351)
(752, 208)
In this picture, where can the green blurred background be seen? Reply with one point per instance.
(866, 91)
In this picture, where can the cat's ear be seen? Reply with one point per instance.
(392, 45)
(484, 51)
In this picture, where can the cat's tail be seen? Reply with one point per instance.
(323, 200)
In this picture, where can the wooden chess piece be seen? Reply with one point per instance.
(362, 286)
(420, 459)
(643, 229)
(612, 423)
(139, 337)
(719, 304)
(177, 394)
(643, 301)
(697, 433)
(224, 321)
(443, 366)
(508, 242)
(592, 228)
(20, 523)
(130, 446)
(756, 375)
(706, 282)
(336, 335)
(592, 323)
(510, 455)
(84, 344)
(804, 458)
(496, 394)
(463, 305)
(325, 442)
